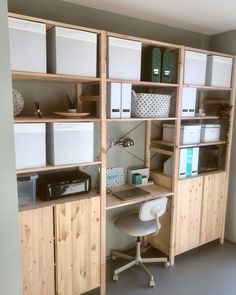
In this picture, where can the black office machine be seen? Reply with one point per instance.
(62, 184)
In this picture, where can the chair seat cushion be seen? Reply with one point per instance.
(133, 226)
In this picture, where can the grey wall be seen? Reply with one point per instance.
(226, 43)
(9, 243)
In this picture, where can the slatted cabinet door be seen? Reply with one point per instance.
(37, 251)
(213, 207)
(189, 210)
(77, 246)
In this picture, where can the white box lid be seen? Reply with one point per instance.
(75, 34)
(195, 55)
(210, 125)
(221, 59)
(196, 127)
(30, 128)
(20, 24)
(124, 43)
(72, 126)
(168, 125)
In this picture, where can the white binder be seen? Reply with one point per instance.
(114, 100)
(125, 100)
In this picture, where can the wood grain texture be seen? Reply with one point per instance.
(213, 207)
(189, 210)
(37, 251)
(77, 246)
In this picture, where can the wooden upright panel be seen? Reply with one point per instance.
(77, 246)
(189, 209)
(37, 251)
(213, 207)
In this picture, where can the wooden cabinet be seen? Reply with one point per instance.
(200, 211)
(77, 246)
(213, 207)
(37, 251)
(77, 252)
(189, 209)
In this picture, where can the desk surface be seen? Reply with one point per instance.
(156, 191)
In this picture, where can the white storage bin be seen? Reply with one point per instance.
(72, 52)
(30, 145)
(219, 69)
(195, 68)
(26, 189)
(70, 143)
(189, 101)
(124, 59)
(189, 134)
(210, 132)
(27, 45)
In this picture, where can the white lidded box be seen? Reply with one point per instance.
(189, 101)
(219, 69)
(189, 134)
(195, 68)
(210, 132)
(30, 145)
(72, 52)
(27, 45)
(124, 59)
(70, 143)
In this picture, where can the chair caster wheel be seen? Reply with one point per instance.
(113, 257)
(115, 278)
(151, 283)
(167, 264)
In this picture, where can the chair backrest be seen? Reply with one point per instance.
(148, 210)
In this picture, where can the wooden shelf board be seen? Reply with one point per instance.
(203, 174)
(208, 88)
(142, 119)
(39, 204)
(220, 142)
(200, 118)
(156, 191)
(161, 151)
(51, 167)
(144, 83)
(20, 75)
(162, 142)
(54, 120)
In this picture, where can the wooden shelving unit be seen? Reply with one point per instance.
(58, 119)
(144, 83)
(142, 119)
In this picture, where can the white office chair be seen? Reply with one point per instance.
(138, 225)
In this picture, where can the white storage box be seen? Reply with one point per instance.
(30, 145)
(144, 171)
(145, 105)
(72, 52)
(114, 100)
(189, 134)
(27, 45)
(210, 132)
(219, 69)
(70, 143)
(189, 101)
(26, 189)
(195, 68)
(124, 59)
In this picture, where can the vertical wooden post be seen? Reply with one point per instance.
(103, 158)
(148, 143)
(78, 93)
(175, 174)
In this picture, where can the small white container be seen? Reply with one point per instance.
(124, 59)
(189, 101)
(30, 145)
(189, 134)
(27, 45)
(72, 52)
(70, 143)
(195, 68)
(210, 132)
(219, 69)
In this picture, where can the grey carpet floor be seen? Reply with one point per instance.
(207, 270)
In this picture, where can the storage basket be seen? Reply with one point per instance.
(146, 105)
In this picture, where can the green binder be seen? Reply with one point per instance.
(151, 65)
(166, 71)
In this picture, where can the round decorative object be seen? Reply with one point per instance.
(18, 102)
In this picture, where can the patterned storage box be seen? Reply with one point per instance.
(114, 177)
(146, 105)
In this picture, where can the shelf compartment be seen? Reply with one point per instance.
(54, 120)
(220, 142)
(156, 191)
(51, 167)
(162, 142)
(161, 179)
(161, 151)
(144, 83)
(142, 119)
(208, 88)
(32, 76)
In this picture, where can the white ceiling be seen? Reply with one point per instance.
(203, 16)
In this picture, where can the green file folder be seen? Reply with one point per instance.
(151, 65)
(166, 71)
